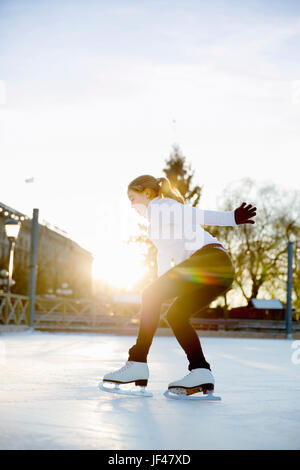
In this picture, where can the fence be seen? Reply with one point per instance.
(236, 324)
(71, 314)
(63, 314)
(14, 309)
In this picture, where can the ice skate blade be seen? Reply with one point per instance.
(208, 397)
(137, 393)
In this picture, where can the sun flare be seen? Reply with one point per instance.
(122, 269)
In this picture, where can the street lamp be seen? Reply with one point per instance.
(12, 228)
(64, 289)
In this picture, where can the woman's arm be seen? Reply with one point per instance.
(207, 217)
(225, 219)
(174, 212)
(241, 215)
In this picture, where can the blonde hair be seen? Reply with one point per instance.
(161, 186)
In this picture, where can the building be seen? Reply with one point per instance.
(260, 309)
(61, 261)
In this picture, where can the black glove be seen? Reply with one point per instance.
(243, 214)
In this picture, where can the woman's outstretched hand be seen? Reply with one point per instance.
(243, 214)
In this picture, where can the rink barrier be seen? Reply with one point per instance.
(71, 313)
(64, 314)
(86, 315)
(14, 309)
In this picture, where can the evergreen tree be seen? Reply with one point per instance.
(180, 175)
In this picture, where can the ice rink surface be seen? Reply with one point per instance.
(49, 397)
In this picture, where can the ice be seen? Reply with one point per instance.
(49, 396)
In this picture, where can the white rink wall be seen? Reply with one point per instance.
(49, 397)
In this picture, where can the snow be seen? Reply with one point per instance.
(49, 396)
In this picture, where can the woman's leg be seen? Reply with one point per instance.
(204, 267)
(152, 298)
(219, 275)
(178, 317)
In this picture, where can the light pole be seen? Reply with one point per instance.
(33, 265)
(12, 228)
(289, 289)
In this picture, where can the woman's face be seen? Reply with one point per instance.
(139, 201)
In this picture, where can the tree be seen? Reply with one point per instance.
(296, 275)
(180, 175)
(259, 252)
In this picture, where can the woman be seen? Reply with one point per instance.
(201, 271)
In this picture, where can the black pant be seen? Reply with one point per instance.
(195, 283)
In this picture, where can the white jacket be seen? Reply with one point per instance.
(175, 229)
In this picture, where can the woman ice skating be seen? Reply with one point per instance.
(201, 271)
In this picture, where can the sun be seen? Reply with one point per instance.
(122, 267)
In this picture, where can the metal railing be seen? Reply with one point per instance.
(242, 324)
(61, 313)
(66, 313)
(14, 309)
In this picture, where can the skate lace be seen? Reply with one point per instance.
(193, 371)
(123, 369)
(187, 375)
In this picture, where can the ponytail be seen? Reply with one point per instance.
(161, 187)
(167, 190)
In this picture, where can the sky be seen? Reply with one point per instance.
(96, 93)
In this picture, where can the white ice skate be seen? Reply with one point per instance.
(136, 372)
(198, 380)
